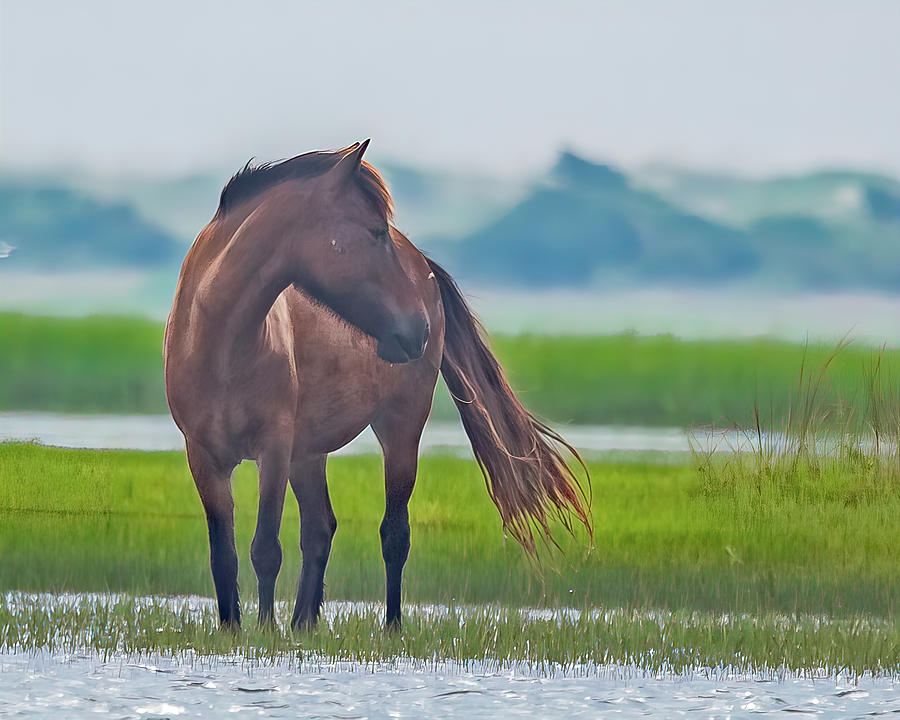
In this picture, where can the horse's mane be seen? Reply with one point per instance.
(251, 180)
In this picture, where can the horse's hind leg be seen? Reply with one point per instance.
(213, 482)
(317, 527)
(399, 436)
(265, 551)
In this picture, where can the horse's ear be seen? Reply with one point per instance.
(348, 166)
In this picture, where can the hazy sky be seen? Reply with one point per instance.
(173, 85)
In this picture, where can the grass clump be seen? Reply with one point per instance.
(825, 449)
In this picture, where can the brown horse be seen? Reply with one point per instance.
(302, 317)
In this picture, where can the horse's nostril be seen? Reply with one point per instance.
(404, 342)
(411, 336)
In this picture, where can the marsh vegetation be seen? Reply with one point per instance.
(685, 570)
(114, 365)
(780, 554)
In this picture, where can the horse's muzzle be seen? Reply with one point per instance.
(407, 341)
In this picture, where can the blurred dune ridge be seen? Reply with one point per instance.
(581, 224)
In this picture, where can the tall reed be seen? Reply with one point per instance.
(824, 447)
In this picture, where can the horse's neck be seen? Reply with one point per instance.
(239, 288)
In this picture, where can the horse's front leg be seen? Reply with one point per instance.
(399, 479)
(265, 551)
(213, 481)
(317, 527)
(399, 434)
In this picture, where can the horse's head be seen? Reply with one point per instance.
(348, 260)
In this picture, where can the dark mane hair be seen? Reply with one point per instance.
(251, 180)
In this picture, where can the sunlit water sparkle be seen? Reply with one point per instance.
(83, 686)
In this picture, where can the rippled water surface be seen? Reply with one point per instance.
(45, 685)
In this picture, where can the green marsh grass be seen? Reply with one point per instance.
(86, 365)
(483, 638)
(78, 520)
(114, 365)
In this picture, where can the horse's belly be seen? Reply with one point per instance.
(333, 409)
(324, 426)
(321, 441)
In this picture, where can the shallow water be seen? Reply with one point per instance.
(77, 683)
(78, 686)
(158, 432)
(602, 442)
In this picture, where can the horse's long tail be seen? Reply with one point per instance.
(520, 457)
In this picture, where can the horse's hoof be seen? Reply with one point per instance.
(267, 624)
(303, 626)
(230, 626)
